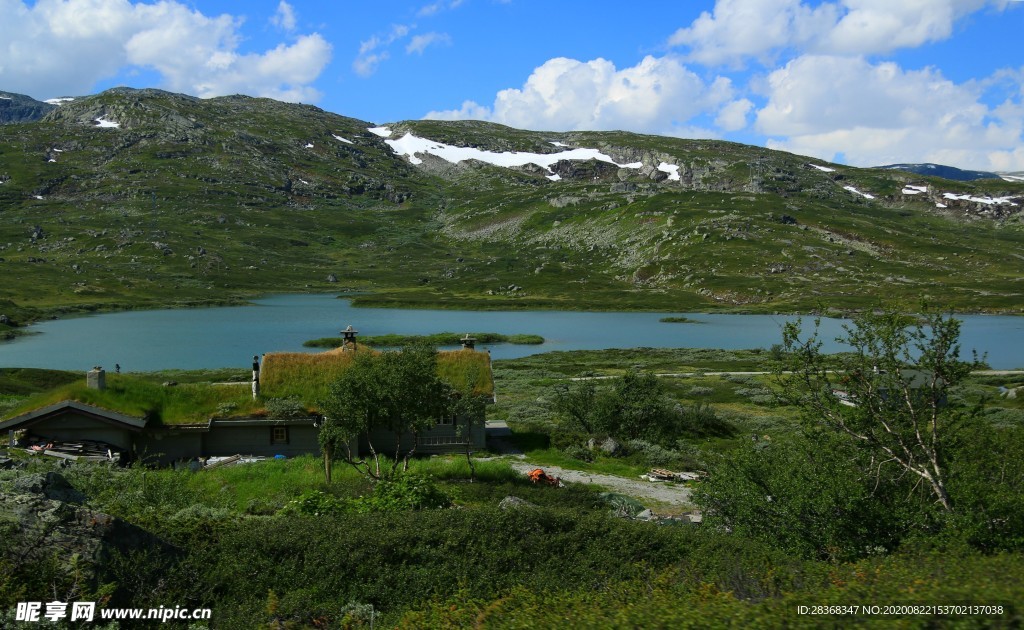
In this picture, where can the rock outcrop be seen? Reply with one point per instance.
(44, 518)
(18, 108)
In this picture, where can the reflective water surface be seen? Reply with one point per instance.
(229, 336)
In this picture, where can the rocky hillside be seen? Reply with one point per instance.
(18, 108)
(140, 197)
(945, 172)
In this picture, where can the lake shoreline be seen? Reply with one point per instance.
(365, 300)
(231, 335)
(663, 337)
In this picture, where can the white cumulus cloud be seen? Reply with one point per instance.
(879, 113)
(285, 17)
(737, 30)
(58, 47)
(658, 95)
(733, 116)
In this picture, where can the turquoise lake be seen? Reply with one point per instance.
(230, 336)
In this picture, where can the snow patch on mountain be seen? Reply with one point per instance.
(410, 145)
(990, 201)
(340, 139)
(857, 192)
(914, 190)
(671, 169)
(823, 169)
(103, 123)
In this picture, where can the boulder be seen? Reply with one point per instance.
(50, 485)
(611, 447)
(44, 520)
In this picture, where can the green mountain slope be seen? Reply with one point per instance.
(194, 201)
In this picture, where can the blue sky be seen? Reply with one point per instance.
(864, 82)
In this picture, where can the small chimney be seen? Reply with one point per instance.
(468, 343)
(349, 336)
(255, 376)
(96, 378)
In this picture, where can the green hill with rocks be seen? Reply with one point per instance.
(142, 198)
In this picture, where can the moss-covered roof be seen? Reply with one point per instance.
(300, 375)
(307, 376)
(144, 398)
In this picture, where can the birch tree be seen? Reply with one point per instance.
(888, 395)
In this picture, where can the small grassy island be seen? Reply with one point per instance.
(679, 320)
(436, 339)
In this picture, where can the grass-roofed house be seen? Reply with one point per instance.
(127, 416)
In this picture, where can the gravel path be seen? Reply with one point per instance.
(670, 493)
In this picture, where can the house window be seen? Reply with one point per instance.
(278, 435)
(444, 440)
(447, 419)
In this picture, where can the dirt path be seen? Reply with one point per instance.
(669, 493)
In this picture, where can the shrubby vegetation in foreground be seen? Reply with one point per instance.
(804, 514)
(233, 544)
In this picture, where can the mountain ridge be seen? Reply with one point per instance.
(18, 108)
(135, 198)
(939, 170)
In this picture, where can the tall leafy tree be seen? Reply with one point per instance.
(889, 395)
(577, 403)
(396, 391)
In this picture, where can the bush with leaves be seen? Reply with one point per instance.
(654, 454)
(809, 497)
(403, 492)
(581, 453)
(399, 392)
(986, 477)
(634, 407)
(285, 408)
(316, 503)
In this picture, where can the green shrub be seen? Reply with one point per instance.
(622, 505)
(810, 499)
(654, 454)
(563, 440)
(581, 453)
(286, 408)
(754, 393)
(316, 503)
(404, 492)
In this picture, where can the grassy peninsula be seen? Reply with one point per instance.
(436, 339)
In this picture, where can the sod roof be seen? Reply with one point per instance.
(300, 375)
(140, 397)
(307, 376)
